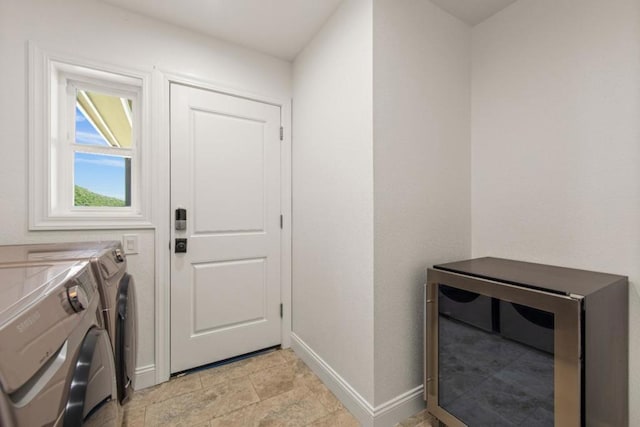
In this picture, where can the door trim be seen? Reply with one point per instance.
(162, 208)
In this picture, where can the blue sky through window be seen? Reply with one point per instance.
(99, 173)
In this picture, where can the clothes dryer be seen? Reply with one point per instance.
(56, 365)
(117, 294)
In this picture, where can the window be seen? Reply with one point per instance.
(88, 164)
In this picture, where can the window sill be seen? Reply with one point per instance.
(90, 224)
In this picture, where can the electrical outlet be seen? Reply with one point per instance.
(130, 243)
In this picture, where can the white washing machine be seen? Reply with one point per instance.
(117, 294)
(56, 364)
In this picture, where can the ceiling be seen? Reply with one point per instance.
(473, 11)
(277, 27)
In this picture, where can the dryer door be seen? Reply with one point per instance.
(125, 342)
(92, 387)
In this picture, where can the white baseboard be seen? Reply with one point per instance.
(349, 397)
(145, 377)
(399, 408)
(385, 415)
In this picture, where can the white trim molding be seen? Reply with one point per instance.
(386, 414)
(50, 176)
(399, 408)
(162, 207)
(285, 210)
(145, 377)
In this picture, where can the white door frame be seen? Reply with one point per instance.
(162, 209)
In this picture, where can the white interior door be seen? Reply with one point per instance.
(225, 172)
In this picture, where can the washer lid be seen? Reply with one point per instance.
(23, 285)
(42, 253)
(51, 251)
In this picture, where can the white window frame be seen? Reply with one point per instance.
(54, 79)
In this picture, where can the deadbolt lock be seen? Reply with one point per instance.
(181, 246)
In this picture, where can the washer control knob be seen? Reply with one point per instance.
(78, 299)
(118, 255)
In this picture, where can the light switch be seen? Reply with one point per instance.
(130, 243)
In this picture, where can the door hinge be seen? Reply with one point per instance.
(281, 310)
(281, 222)
(281, 133)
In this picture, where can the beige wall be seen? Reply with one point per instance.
(421, 122)
(333, 195)
(381, 164)
(556, 141)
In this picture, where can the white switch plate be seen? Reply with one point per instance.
(130, 243)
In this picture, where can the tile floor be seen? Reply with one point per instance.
(270, 389)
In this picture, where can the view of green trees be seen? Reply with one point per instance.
(84, 197)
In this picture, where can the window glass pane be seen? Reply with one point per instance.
(103, 119)
(86, 134)
(101, 180)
